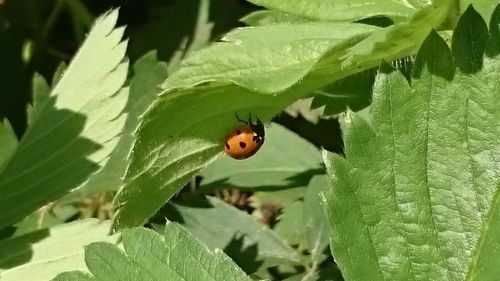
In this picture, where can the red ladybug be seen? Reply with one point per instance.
(246, 140)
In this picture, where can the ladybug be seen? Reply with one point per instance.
(246, 140)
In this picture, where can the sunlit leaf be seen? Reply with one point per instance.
(185, 129)
(344, 10)
(148, 256)
(267, 17)
(148, 73)
(75, 130)
(416, 196)
(43, 254)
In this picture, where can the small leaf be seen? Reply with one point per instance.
(291, 224)
(149, 256)
(483, 7)
(251, 244)
(314, 217)
(470, 60)
(8, 143)
(41, 255)
(41, 94)
(76, 129)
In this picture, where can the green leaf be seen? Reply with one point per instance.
(75, 130)
(249, 243)
(41, 95)
(399, 40)
(344, 10)
(483, 7)
(328, 274)
(45, 217)
(316, 225)
(265, 58)
(270, 167)
(185, 129)
(353, 92)
(149, 256)
(8, 143)
(148, 73)
(41, 255)
(304, 223)
(279, 198)
(267, 17)
(291, 224)
(416, 195)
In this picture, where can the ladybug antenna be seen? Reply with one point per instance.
(239, 119)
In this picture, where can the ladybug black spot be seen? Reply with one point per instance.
(227, 146)
(242, 144)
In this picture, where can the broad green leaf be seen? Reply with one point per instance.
(184, 130)
(248, 242)
(267, 17)
(344, 10)
(265, 58)
(41, 255)
(270, 167)
(148, 73)
(8, 143)
(416, 196)
(148, 256)
(316, 225)
(76, 129)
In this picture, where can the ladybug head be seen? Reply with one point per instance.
(257, 127)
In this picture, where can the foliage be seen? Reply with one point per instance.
(420, 183)
(73, 130)
(148, 256)
(410, 195)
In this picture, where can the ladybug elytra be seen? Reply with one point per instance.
(246, 140)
